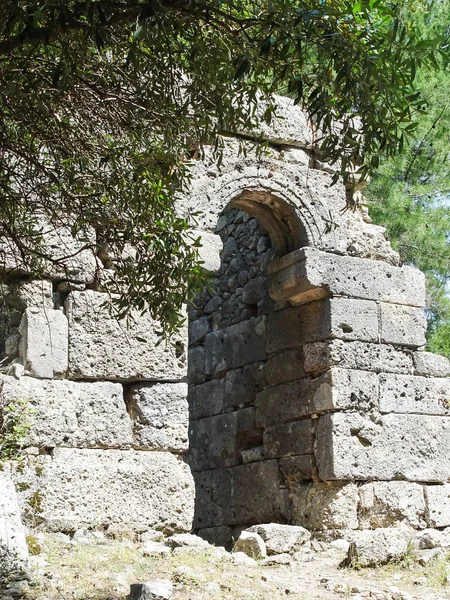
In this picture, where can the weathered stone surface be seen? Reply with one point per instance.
(298, 468)
(431, 365)
(13, 546)
(355, 446)
(31, 294)
(321, 356)
(236, 345)
(198, 329)
(414, 395)
(284, 366)
(196, 364)
(335, 389)
(186, 540)
(44, 344)
(123, 489)
(100, 347)
(159, 589)
(289, 439)
(209, 251)
(387, 503)
(342, 318)
(438, 505)
(207, 399)
(72, 413)
(218, 536)
(242, 385)
(217, 441)
(308, 273)
(160, 416)
(321, 506)
(402, 325)
(377, 547)
(251, 544)
(280, 539)
(240, 495)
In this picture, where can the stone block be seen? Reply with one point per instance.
(431, 365)
(13, 546)
(402, 325)
(388, 503)
(72, 413)
(242, 385)
(160, 416)
(289, 439)
(240, 495)
(198, 330)
(378, 547)
(286, 365)
(44, 344)
(355, 446)
(218, 536)
(298, 468)
(31, 294)
(207, 399)
(280, 539)
(321, 506)
(414, 395)
(321, 356)
(438, 505)
(159, 589)
(101, 347)
(209, 251)
(308, 274)
(236, 345)
(333, 390)
(122, 489)
(217, 441)
(196, 364)
(251, 544)
(342, 318)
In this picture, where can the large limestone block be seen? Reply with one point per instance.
(308, 273)
(284, 366)
(217, 441)
(431, 365)
(289, 125)
(235, 346)
(246, 494)
(438, 505)
(207, 399)
(388, 503)
(321, 356)
(372, 548)
(402, 325)
(44, 343)
(31, 294)
(160, 416)
(13, 546)
(100, 488)
(321, 506)
(281, 539)
(209, 250)
(371, 447)
(342, 318)
(71, 413)
(414, 395)
(335, 389)
(289, 439)
(101, 347)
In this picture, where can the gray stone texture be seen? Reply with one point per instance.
(431, 365)
(101, 347)
(280, 539)
(321, 506)
(13, 546)
(236, 345)
(335, 389)
(438, 505)
(217, 441)
(122, 489)
(160, 416)
(242, 385)
(240, 495)
(44, 343)
(158, 589)
(31, 294)
(388, 503)
(414, 395)
(71, 413)
(209, 251)
(309, 273)
(251, 544)
(289, 439)
(207, 399)
(354, 446)
(286, 365)
(373, 548)
(298, 468)
(402, 325)
(321, 356)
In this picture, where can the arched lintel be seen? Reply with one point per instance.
(283, 225)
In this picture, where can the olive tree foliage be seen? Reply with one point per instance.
(104, 104)
(410, 193)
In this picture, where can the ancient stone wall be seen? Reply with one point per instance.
(311, 399)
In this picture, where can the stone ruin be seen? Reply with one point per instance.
(299, 391)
